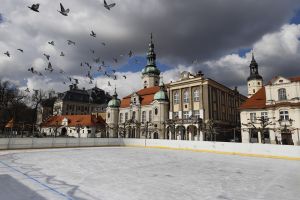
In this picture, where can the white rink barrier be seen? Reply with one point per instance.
(246, 149)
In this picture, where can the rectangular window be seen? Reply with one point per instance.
(196, 95)
(284, 115)
(185, 114)
(126, 117)
(175, 115)
(197, 114)
(176, 97)
(121, 118)
(186, 98)
(264, 115)
(143, 116)
(150, 116)
(252, 117)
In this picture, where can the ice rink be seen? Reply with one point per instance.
(116, 173)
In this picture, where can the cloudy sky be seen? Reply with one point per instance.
(218, 34)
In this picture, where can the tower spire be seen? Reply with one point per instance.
(151, 56)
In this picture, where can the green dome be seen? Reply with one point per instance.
(151, 70)
(114, 103)
(160, 95)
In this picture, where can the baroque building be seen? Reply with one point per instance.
(141, 114)
(77, 101)
(178, 110)
(272, 114)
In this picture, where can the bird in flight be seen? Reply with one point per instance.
(63, 11)
(49, 68)
(93, 34)
(108, 6)
(124, 76)
(115, 77)
(34, 7)
(52, 43)
(116, 60)
(130, 54)
(47, 56)
(97, 60)
(70, 42)
(93, 51)
(7, 53)
(62, 54)
(21, 50)
(103, 43)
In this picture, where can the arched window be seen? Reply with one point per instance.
(176, 97)
(133, 115)
(155, 111)
(186, 96)
(108, 115)
(126, 116)
(281, 94)
(144, 116)
(121, 117)
(196, 95)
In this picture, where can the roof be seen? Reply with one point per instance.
(257, 101)
(295, 79)
(146, 96)
(10, 124)
(74, 120)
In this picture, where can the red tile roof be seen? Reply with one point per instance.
(257, 101)
(73, 120)
(146, 94)
(295, 79)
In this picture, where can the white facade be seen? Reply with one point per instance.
(282, 109)
(254, 86)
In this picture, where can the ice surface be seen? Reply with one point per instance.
(116, 173)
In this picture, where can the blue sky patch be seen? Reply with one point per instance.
(296, 18)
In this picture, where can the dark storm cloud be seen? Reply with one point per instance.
(183, 31)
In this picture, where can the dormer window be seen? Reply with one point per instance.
(281, 94)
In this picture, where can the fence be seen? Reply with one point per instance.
(248, 149)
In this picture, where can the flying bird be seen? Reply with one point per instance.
(34, 7)
(115, 77)
(49, 68)
(116, 60)
(93, 34)
(93, 51)
(63, 11)
(21, 50)
(47, 56)
(108, 6)
(70, 42)
(130, 54)
(124, 76)
(62, 54)
(52, 43)
(103, 43)
(97, 60)
(7, 53)
(31, 69)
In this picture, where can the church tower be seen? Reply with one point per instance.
(112, 115)
(150, 74)
(254, 81)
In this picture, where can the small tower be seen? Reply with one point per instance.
(254, 81)
(160, 111)
(150, 74)
(112, 115)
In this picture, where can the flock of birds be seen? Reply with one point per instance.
(101, 65)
